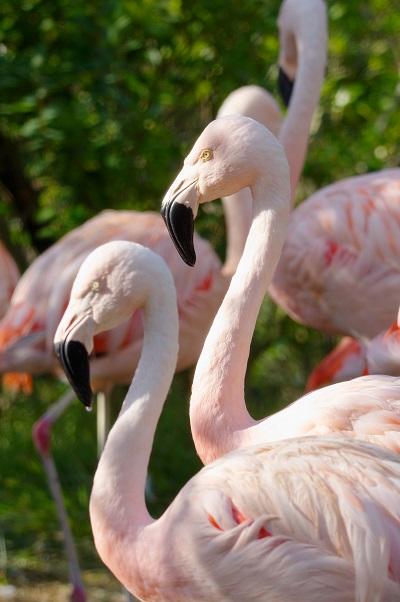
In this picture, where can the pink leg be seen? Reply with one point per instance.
(41, 434)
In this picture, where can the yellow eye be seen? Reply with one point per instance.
(95, 286)
(206, 155)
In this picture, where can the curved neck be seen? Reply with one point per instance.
(217, 408)
(308, 24)
(117, 504)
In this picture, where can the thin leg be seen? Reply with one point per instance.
(41, 434)
(103, 405)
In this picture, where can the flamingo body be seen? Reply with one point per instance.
(339, 270)
(315, 518)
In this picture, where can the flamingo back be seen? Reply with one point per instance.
(315, 517)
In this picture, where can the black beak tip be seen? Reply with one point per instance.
(179, 220)
(285, 86)
(74, 360)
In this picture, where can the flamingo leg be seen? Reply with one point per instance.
(103, 405)
(41, 434)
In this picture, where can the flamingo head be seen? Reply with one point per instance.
(113, 281)
(255, 102)
(228, 156)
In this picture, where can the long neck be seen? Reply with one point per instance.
(309, 26)
(117, 500)
(238, 214)
(311, 41)
(217, 408)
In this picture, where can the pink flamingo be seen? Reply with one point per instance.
(218, 415)
(268, 522)
(339, 270)
(37, 306)
(336, 255)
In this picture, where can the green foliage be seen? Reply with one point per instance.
(101, 100)
(104, 98)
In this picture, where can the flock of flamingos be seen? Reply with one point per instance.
(304, 504)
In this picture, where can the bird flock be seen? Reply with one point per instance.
(300, 505)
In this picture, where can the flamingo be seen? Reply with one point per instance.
(315, 518)
(336, 256)
(368, 407)
(37, 305)
(28, 328)
(339, 271)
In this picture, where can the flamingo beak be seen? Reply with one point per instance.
(178, 209)
(74, 360)
(71, 348)
(285, 86)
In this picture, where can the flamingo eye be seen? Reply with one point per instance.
(95, 286)
(206, 155)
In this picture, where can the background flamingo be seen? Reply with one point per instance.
(339, 267)
(338, 237)
(303, 40)
(302, 60)
(218, 541)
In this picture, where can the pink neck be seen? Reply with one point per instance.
(117, 506)
(217, 409)
(308, 23)
(237, 210)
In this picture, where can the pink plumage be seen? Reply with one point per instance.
(350, 358)
(309, 518)
(27, 330)
(339, 270)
